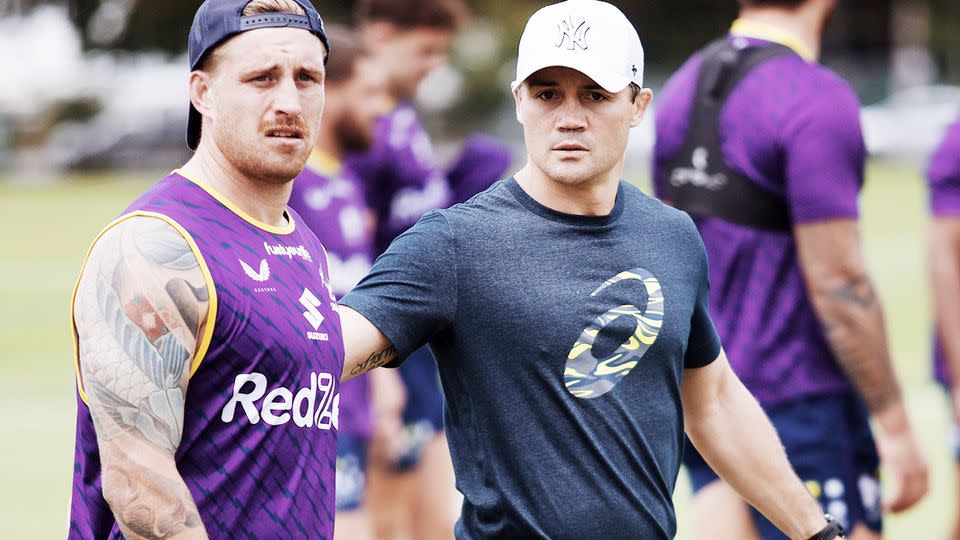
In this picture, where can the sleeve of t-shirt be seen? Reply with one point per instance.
(943, 175)
(824, 153)
(703, 344)
(410, 293)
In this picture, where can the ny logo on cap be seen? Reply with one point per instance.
(573, 33)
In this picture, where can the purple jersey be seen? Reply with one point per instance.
(793, 128)
(260, 420)
(401, 174)
(330, 199)
(944, 177)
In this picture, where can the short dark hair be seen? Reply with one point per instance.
(439, 14)
(634, 91)
(343, 62)
(772, 3)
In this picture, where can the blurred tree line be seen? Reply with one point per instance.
(859, 44)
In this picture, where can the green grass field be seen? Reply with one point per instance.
(46, 230)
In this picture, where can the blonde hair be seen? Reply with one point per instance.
(254, 7)
(259, 7)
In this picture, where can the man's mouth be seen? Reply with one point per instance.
(285, 133)
(570, 147)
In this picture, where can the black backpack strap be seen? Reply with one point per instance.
(699, 181)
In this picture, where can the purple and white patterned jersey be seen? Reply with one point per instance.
(402, 176)
(792, 127)
(258, 449)
(943, 175)
(330, 198)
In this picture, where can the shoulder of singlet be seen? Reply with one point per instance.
(801, 76)
(133, 212)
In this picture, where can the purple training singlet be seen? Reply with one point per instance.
(258, 449)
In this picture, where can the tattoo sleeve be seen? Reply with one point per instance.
(850, 310)
(140, 306)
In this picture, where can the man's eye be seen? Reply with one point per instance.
(305, 77)
(596, 96)
(262, 78)
(547, 95)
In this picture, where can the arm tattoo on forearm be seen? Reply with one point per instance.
(853, 323)
(375, 360)
(138, 316)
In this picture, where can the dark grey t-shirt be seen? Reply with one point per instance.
(561, 342)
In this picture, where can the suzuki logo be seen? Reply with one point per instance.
(312, 314)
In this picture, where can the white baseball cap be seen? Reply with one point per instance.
(592, 37)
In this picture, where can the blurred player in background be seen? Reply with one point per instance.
(944, 177)
(569, 315)
(412, 494)
(209, 281)
(330, 199)
(762, 145)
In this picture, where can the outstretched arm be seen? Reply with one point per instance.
(734, 436)
(365, 347)
(140, 306)
(852, 317)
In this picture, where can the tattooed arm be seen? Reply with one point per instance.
(852, 317)
(364, 345)
(140, 307)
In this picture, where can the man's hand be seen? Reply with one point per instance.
(904, 465)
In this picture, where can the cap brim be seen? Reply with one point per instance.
(194, 121)
(611, 82)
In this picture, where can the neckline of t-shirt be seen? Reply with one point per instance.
(531, 204)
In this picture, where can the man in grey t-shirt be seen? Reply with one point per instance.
(568, 315)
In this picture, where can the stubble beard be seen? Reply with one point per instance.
(267, 165)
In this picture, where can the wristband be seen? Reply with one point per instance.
(833, 530)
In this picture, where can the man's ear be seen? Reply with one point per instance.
(640, 106)
(516, 101)
(201, 93)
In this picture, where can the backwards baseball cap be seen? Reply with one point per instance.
(592, 37)
(217, 20)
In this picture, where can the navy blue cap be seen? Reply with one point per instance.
(217, 20)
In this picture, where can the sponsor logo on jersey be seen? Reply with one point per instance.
(313, 315)
(314, 406)
(698, 175)
(288, 251)
(259, 276)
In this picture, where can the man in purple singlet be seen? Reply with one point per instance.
(762, 146)
(329, 197)
(209, 345)
(944, 177)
